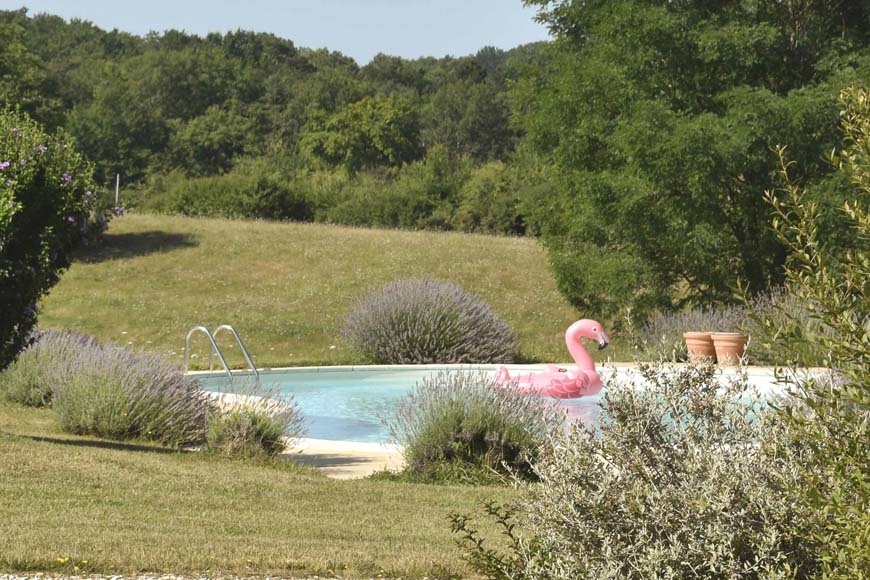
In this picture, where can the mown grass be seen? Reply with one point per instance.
(128, 508)
(286, 287)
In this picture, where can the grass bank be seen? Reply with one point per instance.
(286, 286)
(126, 508)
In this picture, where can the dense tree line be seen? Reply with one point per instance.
(259, 119)
(638, 143)
(659, 119)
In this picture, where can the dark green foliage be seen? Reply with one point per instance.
(388, 144)
(829, 424)
(372, 132)
(238, 194)
(48, 206)
(427, 321)
(659, 120)
(460, 427)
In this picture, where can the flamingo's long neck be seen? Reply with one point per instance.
(582, 358)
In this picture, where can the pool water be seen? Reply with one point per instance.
(353, 405)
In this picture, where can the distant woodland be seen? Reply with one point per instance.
(637, 144)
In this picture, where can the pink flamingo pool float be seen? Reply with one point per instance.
(564, 383)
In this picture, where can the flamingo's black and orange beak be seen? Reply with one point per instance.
(603, 340)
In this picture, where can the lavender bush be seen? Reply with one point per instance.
(457, 420)
(662, 337)
(252, 422)
(30, 379)
(108, 391)
(428, 321)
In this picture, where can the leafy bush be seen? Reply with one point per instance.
(237, 195)
(455, 426)
(830, 422)
(427, 321)
(47, 208)
(253, 426)
(488, 202)
(30, 380)
(681, 482)
(780, 308)
(118, 393)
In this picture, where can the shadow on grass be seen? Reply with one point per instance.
(135, 244)
(325, 460)
(116, 445)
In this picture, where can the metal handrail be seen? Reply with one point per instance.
(241, 346)
(214, 347)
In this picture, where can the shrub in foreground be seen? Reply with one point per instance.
(428, 321)
(830, 421)
(253, 425)
(680, 482)
(453, 426)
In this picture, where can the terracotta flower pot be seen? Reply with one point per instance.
(699, 345)
(730, 347)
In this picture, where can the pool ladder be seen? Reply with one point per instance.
(215, 349)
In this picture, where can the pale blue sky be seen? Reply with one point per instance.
(357, 28)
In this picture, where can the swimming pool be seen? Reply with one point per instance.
(352, 403)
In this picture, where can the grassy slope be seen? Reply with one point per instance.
(285, 287)
(128, 508)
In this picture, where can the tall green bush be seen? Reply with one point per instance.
(659, 119)
(48, 206)
(831, 420)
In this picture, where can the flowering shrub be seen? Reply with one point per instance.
(255, 425)
(453, 426)
(48, 206)
(108, 391)
(31, 378)
(427, 321)
(662, 337)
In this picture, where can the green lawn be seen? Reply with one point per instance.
(136, 508)
(286, 286)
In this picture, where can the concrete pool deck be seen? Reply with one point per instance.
(345, 459)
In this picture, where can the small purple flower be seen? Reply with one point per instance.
(71, 219)
(16, 132)
(118, 210)
(67, 177)
(4, 165)
(41, 148)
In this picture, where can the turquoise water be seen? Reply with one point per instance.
(352, 405)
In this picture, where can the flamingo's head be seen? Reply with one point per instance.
(587, 328)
